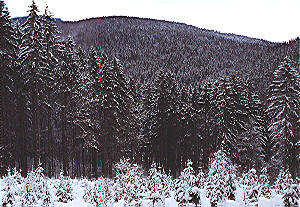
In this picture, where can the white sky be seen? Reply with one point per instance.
(274, 20)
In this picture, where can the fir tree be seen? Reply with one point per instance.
(208, 127)
(231, 116)
(156, 186)
(187, 189)
(250, 186)
(29, 194)
(283, 110)
(220, 184)
(254, 144)
(51, 46)
(283, 179)
(191, 139)
(35, 73)
(164, 121)
(291, 195)
(264, 184)
(67, 89)
(64, 191)
(21, 118)
(200, 179)
(128, 178)
(8, 88)
(88, 192)
(10, 187)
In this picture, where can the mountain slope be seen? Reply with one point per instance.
(193, 54)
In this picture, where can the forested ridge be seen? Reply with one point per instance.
(127, 90)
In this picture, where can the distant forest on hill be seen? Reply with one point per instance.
(145, 46)
(80, 96)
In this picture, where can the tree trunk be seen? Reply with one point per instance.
(50, 158)
(21, 134)
(64, 141)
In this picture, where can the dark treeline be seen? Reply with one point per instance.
(75, 110)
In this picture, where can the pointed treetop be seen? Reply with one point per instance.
(33, 9)
(47, 12)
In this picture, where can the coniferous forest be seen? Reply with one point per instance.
(77, 108)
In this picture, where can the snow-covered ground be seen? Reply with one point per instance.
(131, 186)
(78, 192)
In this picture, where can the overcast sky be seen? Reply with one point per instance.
(274, 20)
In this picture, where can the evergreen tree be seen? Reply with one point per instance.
(187, 189)
(164, 121)
(264, 184)
(29, 194)
(128, 179)
(10, 187)
(208, 127)
(64, 191)
(22, 116)
(191, 139)
(8, 76)
(114, 113)
(200, 179)
(81, 114)
(92, 107)
(291, 195)
(283, 110)
(88, 192)
(67, 89)
(231, 116)
(51, 46)
(157, 186)
(220, 184)
(282, 181)
(35, 72)
(260, 139)
(253, 144)
(250, 187)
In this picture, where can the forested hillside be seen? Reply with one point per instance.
(151, 91)
(144, 46)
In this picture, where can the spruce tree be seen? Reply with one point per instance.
(250, 187)
(64, 191)
(164, 121)
(191, 137)
(220, 184)
(284, 112)
(8, 89)
(67, 90)
(92, 106)
(10, 188)
(157, 186)
(260, 143)
(187, 189)
(114, 113)
(21, 109)
(208, 127)
(264, 184)
(35, 73)
(230, 116)
(51, 46)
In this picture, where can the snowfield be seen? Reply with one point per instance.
(78, 192)
(131, 186)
